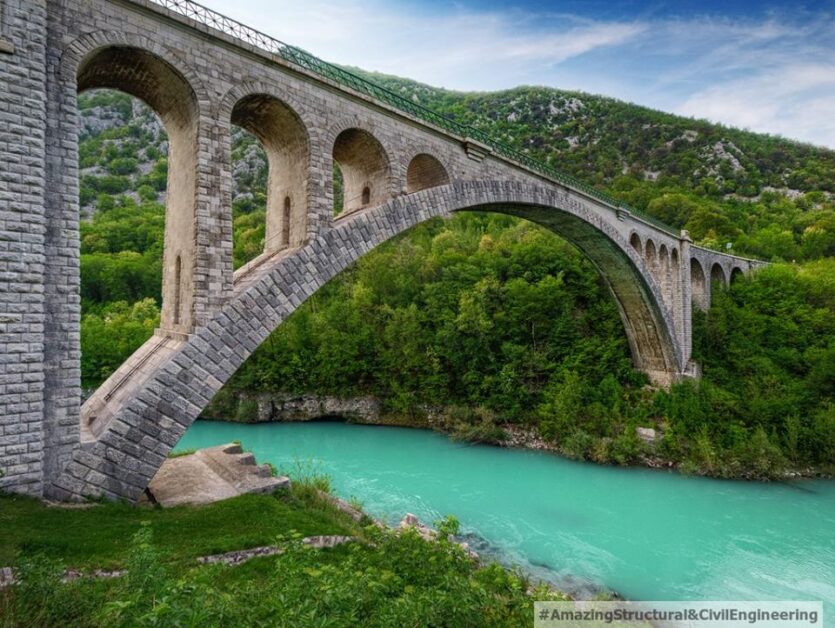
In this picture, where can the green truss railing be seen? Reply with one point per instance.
(303, 59)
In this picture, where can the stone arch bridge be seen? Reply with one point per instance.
(202, 73)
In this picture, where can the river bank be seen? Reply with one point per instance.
(476, 426)
(632, 530)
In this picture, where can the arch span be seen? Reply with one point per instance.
(153, 417)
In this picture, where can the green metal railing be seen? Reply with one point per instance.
(303, 59)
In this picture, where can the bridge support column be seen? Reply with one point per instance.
(684, 308)
(213, 224)
(27, 283)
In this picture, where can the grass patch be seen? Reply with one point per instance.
(394, 579)
(98, 536)
(384, 578)
(180, 453)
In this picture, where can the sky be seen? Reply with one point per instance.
(764, 66)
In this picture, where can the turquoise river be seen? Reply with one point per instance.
(650, 535)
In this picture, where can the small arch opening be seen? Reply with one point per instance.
(675, 274)
(283, 137)
(698, 285)
(650, 255)
(635, 241)
(141, 74)
(664, 268)
(717, 276)
(424, 172)
(364, 168)
(736, 274)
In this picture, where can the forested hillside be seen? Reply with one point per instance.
(499, 321)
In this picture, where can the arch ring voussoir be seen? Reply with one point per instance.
(82, 47)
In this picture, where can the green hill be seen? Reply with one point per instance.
(599, 139)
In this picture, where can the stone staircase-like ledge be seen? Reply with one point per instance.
(212, 474)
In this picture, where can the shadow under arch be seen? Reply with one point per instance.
(425, 171)
(635, 241)
(698, 285)
(718, 279)
(203, 363)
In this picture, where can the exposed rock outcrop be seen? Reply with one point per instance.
(410, 521)
(266, 407)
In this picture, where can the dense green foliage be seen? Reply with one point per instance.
(382, 579)
(499, 321)
(767, 347)
(477, 311)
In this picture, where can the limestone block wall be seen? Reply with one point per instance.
(22, 243)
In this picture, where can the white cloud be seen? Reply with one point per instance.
(462, 49)
(796, 101)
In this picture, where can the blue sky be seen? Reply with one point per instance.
(766, 66)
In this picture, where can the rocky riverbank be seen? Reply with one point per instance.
(279, 407)
(367, 410)
(460, 423)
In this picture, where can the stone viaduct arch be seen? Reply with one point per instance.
(366, 169)
(285, 141)
(148, 77)
(635, 242)
(401, 166)
(425, 171)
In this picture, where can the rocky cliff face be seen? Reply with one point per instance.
(265, 407)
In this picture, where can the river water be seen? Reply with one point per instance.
(649, 535)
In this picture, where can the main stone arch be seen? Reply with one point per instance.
(150, 421)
